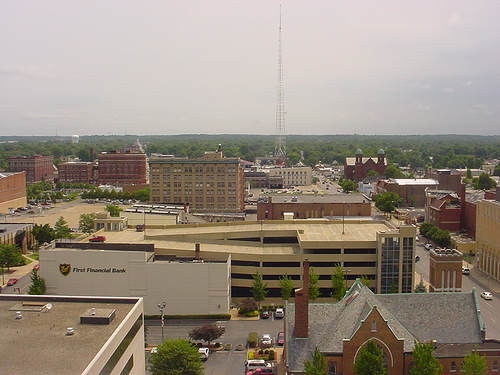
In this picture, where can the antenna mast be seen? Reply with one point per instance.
(280, 147)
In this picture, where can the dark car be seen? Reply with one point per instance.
(281, 339)
(97, 239)
(264, 315)
(12, 281)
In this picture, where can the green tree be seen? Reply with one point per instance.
(207, 332)
(485, 182)
(86, 222)
(259, 290)
(37, 286)
(314, 291)
(286, 287)
(10, 256)
(442, 238)
(425, 362)
(469, 174)
(176, 357)
(348, 185)
(386, 202)
(114, 211)
(338, 283)
(141, 195)
(420, 288)
(316, 366)
(425, 228)
(61, 229)
(365, 281)
(392, 171)
(370, 360)
(293, 158)
(474, 364)
(43, 233)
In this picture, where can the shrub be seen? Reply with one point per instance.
(250, 355)
(266, 351)
(271, 355)
(261, 351)
(253, 339)
(247, 305)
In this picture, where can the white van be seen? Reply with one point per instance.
(204, 352)
(252, 364)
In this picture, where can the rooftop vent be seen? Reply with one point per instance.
(19, 315)
(70, 331)
(97, 316)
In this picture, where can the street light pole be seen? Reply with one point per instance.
(345, 276)
(161, 306)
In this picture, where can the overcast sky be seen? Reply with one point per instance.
(200, 66)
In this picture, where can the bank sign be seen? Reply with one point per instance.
(66, 269)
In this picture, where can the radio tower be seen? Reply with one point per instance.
(280, 147)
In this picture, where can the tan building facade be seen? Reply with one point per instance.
(292, 176)
(212, 183)
(488, 236)
(12, 191)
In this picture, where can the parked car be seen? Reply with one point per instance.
(429, 246)
(36, 267)
(465, 271)
(266, 339)
(204, 352)
(97, 239)
(279, 313)
(281, 339)
(485, 295)
(264, 315)
(260, 370)
(12, 281)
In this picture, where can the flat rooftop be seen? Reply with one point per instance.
(229, 237)
(8, 228)
(37, 343)
(320, 198)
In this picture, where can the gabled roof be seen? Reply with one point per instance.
(409, 316)
(352, 161)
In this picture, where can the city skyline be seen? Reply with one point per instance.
(196, 67)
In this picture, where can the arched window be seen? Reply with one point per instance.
(453, 367)
(332, 368)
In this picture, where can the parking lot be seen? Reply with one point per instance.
(223, 362)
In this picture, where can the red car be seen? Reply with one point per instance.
(36, 267)
(281, 339)
(12, 281)
(97, 239)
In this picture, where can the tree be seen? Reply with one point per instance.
(86, 222)
(37, 286)
(474, 364)
(207, 332)
(442, 238)
(248, 305)
(286, 286)
(10, 256)
(485, 182)
(314, 291)
(365, 281)
(348, 185)
(43, 233)
(338, 283)
(425, 362)
(391, 171)
(387, 201)
(420, 288)
(61, 229)
(259, 291)
(317, 366)
(114, 211)
(425, 228)
(176, 357)
(370, 360)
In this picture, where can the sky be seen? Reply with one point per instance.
(211, 67)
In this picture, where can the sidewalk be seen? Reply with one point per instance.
(17, 272)
(482, 279)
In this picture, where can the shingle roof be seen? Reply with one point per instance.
(412, 316)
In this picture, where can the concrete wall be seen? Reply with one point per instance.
(187, 288)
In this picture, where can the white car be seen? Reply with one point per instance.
(266, 339)
(204, 352)
(429, 246)
(465, 270)
(279, 313)
(486, 295)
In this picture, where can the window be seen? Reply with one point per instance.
(495, 366)
(453, 367)
(374, 326)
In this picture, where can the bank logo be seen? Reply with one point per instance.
(65, 269)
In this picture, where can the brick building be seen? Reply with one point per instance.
(393, 321)
(411, 190)
(12, 191)
(446, 179)
(445, 270)
(444, 209)
(37, 167)
(212, 183)
(311, 206)
(357, 168)
(122, 168)
(77, 172)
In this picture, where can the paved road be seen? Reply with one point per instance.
(220, 362)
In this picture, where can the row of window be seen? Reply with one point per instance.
(196, 169)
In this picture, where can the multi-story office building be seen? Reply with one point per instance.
(292, 176)
(12, 191)
(212, 183)
(488, 236)
(72, 335)
(122, 168)
(77, 172)
(37, 167)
